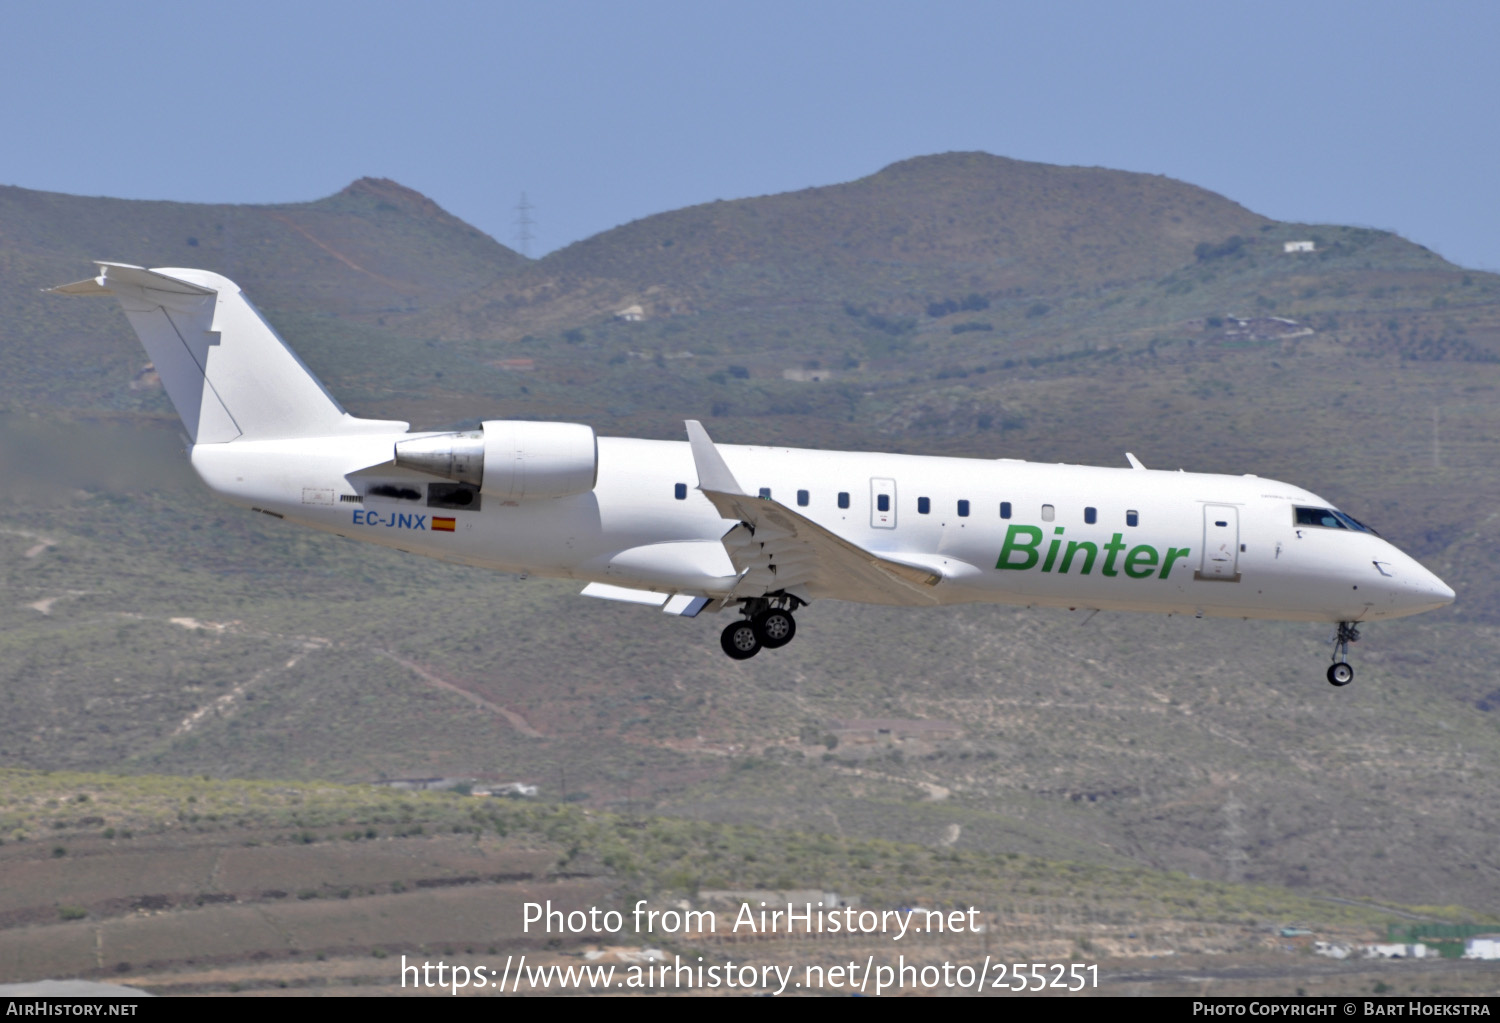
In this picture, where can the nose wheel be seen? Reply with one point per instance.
(1340, 672)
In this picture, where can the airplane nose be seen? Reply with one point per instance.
(1441, 590)
(1427, 585)
(1416, 587)
(1429, 595)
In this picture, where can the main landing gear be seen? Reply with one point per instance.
(768, 623)
(1340, 673)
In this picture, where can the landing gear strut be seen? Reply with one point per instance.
(1339, 672)
(768, 623)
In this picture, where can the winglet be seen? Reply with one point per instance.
(713, 474)
(1135, 463)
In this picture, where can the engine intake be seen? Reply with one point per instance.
(510, 459)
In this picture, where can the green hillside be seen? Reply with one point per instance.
(961, 304)
(185, 886)
(921, 232)
(151, 630)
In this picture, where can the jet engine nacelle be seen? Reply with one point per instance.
(509, 459)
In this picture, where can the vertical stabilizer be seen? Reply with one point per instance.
(229, 374)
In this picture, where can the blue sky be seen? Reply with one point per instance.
(1372, 113)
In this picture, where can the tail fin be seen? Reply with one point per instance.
(228, 373)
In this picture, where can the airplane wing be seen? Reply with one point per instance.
(775, 548)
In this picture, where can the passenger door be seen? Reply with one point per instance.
(1221, 544)
(882, 504)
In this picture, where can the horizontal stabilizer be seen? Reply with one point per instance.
(131, 276)
(83, 288)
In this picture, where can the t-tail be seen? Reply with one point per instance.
(228, 373)
(265, 434)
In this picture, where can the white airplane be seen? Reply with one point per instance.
(692, 527)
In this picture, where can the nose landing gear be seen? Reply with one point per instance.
(1340, 673)
(768, 623)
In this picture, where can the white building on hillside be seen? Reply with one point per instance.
(1393, 951)
(1482, 946)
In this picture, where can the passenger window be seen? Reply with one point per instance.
(765, 493)
(1132, 518)
(924, 506)
(843, 499)
(1048, 513)
(963, 509)
(681, 492)
(1091, 515)
(883, 502)
(1005, 509)
(801, 499)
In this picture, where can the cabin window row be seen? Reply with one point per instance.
(924, 506)
(1090, 514)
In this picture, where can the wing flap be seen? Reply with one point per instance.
(684, 605)
(604, 591)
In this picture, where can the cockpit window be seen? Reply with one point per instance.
(1353, 523)
(1328, 518)
(1324, 517)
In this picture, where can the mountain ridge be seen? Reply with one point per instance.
(1365, 370)
(1003, 224)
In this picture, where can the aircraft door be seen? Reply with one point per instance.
(1221, 543)
(882, 504)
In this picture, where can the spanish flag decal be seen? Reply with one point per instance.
(441, 525)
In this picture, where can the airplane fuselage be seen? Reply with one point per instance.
(693, 526)
(1000, 531)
